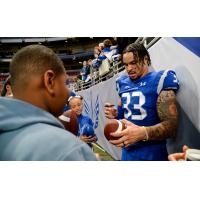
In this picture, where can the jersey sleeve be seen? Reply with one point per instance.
(119, 83)
(168, 81)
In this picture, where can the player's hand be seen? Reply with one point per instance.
(128, 136)
(110, 111)
(178, 156)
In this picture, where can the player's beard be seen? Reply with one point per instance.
(134, 74)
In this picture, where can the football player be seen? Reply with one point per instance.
(147, 106)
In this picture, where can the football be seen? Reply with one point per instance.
(70, 121)
(112, 126)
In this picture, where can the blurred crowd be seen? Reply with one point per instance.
(106, 50)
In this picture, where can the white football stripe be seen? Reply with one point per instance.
(64, 118)
(120, 126)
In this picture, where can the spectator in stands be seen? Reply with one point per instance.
(29, 128)
(114, 47)
(101, 46)
(148, 104)
(97, 51)
(89, 62)
(107, 44)
(110, 50)
(85, 122)
(99, 56)
(7, 90)
(85, 71)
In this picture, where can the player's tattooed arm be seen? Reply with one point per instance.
(167, 112)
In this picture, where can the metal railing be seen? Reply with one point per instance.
(115, 68)
(95, 78)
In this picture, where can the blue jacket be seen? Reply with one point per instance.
(30, 133)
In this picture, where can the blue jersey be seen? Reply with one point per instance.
(139, 100)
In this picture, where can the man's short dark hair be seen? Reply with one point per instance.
(138, 50)
(33, 60)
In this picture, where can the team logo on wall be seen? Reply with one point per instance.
(96, 113)
(86, 108)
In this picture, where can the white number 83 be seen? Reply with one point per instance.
(135, 106)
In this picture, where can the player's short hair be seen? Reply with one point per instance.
(33, 60)
(138, 50)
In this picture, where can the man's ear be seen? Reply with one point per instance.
(146, 60)
(49, 81)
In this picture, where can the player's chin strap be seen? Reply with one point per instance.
(101, 148)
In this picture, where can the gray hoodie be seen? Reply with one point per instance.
(30, 133)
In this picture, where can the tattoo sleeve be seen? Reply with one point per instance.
(167, 112)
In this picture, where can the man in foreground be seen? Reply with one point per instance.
(29, 129)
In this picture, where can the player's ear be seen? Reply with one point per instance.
(146, 60)
(49, 81)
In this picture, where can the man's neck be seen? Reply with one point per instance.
(32, 99)
(145, 71)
